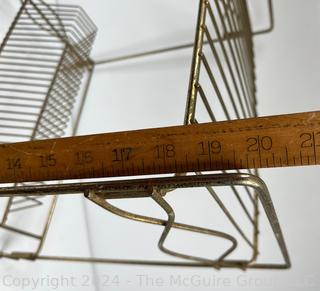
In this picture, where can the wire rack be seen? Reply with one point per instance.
(221, 87)
(39, 83)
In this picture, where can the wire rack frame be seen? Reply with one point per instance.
(40, 80)
(235, 62)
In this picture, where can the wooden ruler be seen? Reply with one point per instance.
(273, 141)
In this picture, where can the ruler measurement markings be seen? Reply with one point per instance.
(273, 159)
(314, 147)
(102, 168)
(234, 160)
(259, 153)
(287, 156)
(142, 163)
(209, 152)
(225, 145)
(154, 167)
(112, 167)
(175, 166)
(187, 164)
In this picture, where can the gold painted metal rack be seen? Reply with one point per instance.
(222, 73)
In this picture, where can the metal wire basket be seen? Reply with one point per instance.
(221, 86)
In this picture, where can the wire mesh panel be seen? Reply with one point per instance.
(227, 62)
(222, 87)
(43, 60)
(40, 56)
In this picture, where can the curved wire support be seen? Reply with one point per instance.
(169, 224)
(100, 191)
(207, 181)
(271, 21)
